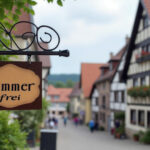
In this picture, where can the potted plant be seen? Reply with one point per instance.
(136, 137)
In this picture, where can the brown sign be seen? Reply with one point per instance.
(20, 85)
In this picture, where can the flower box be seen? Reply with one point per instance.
(139, 92)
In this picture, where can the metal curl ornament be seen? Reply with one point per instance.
(35, 37)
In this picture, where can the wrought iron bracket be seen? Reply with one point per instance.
(35, 36)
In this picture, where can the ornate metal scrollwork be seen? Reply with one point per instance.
(36, 37)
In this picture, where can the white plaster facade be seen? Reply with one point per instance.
(138, 110)
(118, 87)
(95, 104)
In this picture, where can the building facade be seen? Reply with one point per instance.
(95, 104)
(103, 84)
(59, 99)
(118, 90)
(137, 72)
(89, 74)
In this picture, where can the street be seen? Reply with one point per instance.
(79, 138)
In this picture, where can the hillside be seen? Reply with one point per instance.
(53, 78)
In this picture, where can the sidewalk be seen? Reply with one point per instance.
(36, 148)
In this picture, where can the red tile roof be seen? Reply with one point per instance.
(63, 94)
(147, 5)
(89, 74)
(46, 58)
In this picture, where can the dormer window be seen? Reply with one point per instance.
(145, 22)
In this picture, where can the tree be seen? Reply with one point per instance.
(69, 84)
(12, 137)
(59, 84)
(31, 119)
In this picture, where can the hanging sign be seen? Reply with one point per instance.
(20, 85)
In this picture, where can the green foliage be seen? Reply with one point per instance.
(120, 116)
(139, 92)
(10, 10)
(53, 78)
(68, 84)
(31, 119)
(59, 84)
(68, 108)
(120, 130)
(11, 136)
(146, 137)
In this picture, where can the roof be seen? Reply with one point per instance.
(110, 74)
(63, 94)
(89, 73)
(147, 6)
(76, 91)
(143, 4)
(45, 59)
(118, 55)
(25, 27)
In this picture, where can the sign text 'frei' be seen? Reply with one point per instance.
(20, 85)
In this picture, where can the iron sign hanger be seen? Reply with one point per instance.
(35, 37)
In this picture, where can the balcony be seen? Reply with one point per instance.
(144, 56)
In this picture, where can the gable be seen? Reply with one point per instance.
(139, 34)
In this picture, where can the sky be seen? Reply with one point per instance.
(89, 29)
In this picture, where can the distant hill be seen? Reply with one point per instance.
(53, 78)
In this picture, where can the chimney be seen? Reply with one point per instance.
(127, 39)
(111, 55)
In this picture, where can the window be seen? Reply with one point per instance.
(145, 22)
(116, 96)
(122, 96)
(56, 97)
(102, 117)
(143, 82)
(141, 118)
(133, 116)
(148, 48)
(135, 82)
(96, 101)
(103, 102)
(148, 119)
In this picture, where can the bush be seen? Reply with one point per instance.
(146, 138)
(32, 119)
(120, 130)
(11, 136)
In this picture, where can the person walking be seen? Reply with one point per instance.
(65, 120)
(91, 126)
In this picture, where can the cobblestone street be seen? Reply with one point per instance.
(79, 138)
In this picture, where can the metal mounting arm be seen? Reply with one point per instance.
(35, 36)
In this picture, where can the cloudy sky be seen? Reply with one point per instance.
(90, 29)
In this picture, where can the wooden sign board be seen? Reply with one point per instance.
(20, 85)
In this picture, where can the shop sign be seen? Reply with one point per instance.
(20, 85)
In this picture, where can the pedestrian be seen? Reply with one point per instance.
(76, 121)
(91, 126)
(51, 124)
(65, 120)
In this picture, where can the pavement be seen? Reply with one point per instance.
(80, 138)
